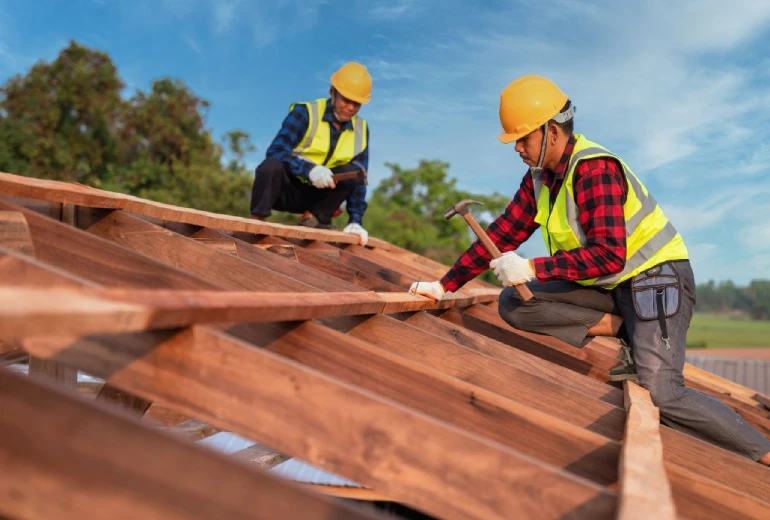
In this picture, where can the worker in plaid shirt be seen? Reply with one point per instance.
(616, 265)
(317, 140)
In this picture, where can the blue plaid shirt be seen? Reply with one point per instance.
(289, 136)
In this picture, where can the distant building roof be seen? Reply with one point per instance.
(751, 373)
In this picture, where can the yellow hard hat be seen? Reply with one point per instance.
(353, 81)
(528, 103)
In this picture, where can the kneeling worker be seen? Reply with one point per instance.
(616, 264)
(318, 139)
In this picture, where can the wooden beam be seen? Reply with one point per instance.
(61, 374)
(14, 233)
(330, 266)
(526, 342)
(308, 275)
(644, 488)
(66, 458)
(69, 193)
(526, 429)
(704, 499)
(485, 372)
(186, 254)
(386, 447)
(100, 260)
(697, 456)
(39, 312)
(260, 456)
(193, 429)
(519, 359)
(130, 403)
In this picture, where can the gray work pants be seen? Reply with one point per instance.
(567, 310)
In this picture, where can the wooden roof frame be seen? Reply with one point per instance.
(306, 342)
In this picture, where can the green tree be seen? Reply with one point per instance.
(407, 209)
(58, 121)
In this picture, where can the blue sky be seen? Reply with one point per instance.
(678, 88)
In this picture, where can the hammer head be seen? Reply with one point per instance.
(461, 208)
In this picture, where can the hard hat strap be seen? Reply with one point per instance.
(539, 167)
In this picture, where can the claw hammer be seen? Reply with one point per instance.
(461, 208)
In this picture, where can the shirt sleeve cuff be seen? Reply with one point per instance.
(449, 285)
(543, 267)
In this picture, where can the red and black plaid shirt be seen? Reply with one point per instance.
(600, 192)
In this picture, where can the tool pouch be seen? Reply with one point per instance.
(656, 292)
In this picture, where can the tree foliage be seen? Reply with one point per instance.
(68, 120)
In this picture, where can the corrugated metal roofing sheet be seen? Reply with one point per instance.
(751, 373)
(292, 469)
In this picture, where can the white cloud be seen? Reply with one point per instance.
(192, 43)
(224, 14)
(392, 9)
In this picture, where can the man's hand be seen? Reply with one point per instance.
(321, 177)
(511, 269)
(363, 235)
(433, 290)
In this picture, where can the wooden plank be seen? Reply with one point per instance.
(519, 359)
(216, 221)
(38, 312)
(70, 193)
(260, 456)
(99, 260)
(14, 233)
(21, 270)
(130, 403)
(473, 408)
(599, 362)
(361, 264)
(324, 263)
(407, 270)
(65, 458)
(193, 429)
(704, 499)
(566, 356)
(716, 464)
(276, 263)
(186, 254)
(57, 191)
(644, 488)
(48, 209)
(690, 453)
(485, 372)
(391, 449)
(51, 370)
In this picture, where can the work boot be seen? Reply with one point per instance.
(307, 219)
(626, 369)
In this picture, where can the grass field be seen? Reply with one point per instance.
(727, 331)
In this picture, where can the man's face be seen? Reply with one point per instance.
(528, 147)
(345, 108)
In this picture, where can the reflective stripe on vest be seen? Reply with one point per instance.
(314, 145)
(651, 238)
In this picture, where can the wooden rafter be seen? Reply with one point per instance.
(645, 491)
(66, 458)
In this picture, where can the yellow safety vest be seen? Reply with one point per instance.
(315, 144)
(650, 238)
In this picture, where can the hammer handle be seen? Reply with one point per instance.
(346, 176)
(524, 293)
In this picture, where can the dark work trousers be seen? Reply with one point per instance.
(567, 310)
(276, 189)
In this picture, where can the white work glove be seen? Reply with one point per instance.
(511, 269)
(363, 235)
(321, 177)
(433, 290)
